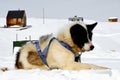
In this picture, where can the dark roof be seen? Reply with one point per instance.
(16, 14)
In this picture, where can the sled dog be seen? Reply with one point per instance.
(59, 52)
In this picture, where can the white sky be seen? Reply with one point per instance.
(99, 10)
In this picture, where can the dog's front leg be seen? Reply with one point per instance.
(82, 66)
(96, 67)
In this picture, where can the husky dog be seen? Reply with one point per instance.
(61, 50)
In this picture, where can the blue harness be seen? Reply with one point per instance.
(43, 53)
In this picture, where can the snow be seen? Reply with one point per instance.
(113, 18)
(106, 39)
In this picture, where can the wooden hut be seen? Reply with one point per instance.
(16, 17)
(113, 19)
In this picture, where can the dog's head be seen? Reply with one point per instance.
(79, 36)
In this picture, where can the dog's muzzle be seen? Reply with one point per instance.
(88, 47)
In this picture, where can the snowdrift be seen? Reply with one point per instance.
(106, 39)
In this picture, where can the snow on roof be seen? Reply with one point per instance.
(113, 17)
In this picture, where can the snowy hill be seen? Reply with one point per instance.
(106, 39)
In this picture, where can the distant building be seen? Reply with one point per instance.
(16, 17)
(113, 19)
(75, 18)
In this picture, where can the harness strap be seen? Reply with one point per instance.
(66, 46)
(45, 51)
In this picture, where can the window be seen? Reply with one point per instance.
(19, 19)
(14, 20)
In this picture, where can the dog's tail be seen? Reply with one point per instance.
(18, 65)
(45, 38)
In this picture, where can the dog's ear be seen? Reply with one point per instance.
(91, 26)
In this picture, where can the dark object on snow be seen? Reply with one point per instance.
(75, 18)
(4, 69)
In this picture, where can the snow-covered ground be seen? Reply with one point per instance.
(106, 39)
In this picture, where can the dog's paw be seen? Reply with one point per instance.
(99, 68)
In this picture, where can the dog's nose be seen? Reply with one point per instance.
(91, 47)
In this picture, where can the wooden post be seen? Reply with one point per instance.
(43, 17)
(16, 37)
(30, 37)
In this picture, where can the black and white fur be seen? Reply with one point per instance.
(78, 35)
